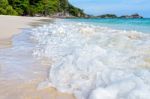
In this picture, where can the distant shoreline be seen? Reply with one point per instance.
(107, 16)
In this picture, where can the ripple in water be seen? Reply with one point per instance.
(94, 62)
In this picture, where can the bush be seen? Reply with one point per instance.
(10, 11)
(2, 11)
(6, 9)
(42, 7)
(3, 3)
(19, 11)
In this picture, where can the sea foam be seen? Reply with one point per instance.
(94, 62)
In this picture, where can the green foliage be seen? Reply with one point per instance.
(75, 11)
(38, 7)
(21, 6)
(10, 11)
(47, 7)
(108, 16)
(6, 9)
(2, 11)
(3, 3)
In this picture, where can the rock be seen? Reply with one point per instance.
(131, 16)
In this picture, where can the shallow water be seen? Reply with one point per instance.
(141, 25)
(84, 59)
(21, 73)
(95, 62)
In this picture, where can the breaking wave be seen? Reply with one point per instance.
(94, 62)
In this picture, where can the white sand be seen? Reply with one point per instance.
(11, 25)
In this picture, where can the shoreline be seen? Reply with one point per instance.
(32, 74)
(13, 25)
(16, 24)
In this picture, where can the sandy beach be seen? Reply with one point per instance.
(21, 81)
(12, 25)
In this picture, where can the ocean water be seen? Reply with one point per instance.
(90, 58)
(142, 25)
(95, 60)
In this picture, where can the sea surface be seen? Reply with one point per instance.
(89, 58)
(142, 25)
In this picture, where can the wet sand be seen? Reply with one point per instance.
(21, 80)
(23, 83)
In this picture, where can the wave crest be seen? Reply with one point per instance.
(95, 62)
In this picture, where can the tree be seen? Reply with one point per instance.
(63, 6)
(47, 7)
(21, 6)
(6, 9)
(41, 7)
(10, 11)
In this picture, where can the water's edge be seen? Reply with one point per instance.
(81, 58)
(95, 62)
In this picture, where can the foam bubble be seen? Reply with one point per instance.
(95, 62)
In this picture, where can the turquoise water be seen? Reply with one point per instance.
(141, 25)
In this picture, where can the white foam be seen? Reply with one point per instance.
(95, 62)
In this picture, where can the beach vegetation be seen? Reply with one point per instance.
(108, 16)
(39, 7)
(6, 9)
